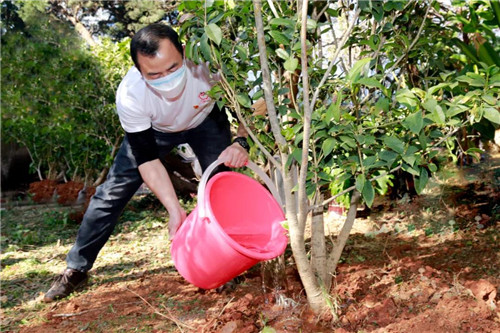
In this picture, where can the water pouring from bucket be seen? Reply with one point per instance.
(236, 224)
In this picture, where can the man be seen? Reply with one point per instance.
(162, 102)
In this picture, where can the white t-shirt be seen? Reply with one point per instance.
(139, 106)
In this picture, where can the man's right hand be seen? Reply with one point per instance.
(177, 216)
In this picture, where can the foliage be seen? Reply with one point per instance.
(390, 109)
(381, 97)
(58, 97)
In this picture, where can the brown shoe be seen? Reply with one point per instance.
(65, 284)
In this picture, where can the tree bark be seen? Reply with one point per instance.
(318, 247)
(334, 256)
(296, 224)
(69, 13)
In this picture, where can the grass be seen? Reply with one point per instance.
(35, 242)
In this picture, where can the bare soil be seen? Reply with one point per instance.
(436, 280)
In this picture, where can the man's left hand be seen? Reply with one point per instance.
(234, 156)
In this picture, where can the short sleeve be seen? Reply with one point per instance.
(130, 103)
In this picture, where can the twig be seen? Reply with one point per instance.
(390, 70)
(225, 306)
(220, 314)
(341, 44)
(349, 189)
(273, 9)
(170, 317)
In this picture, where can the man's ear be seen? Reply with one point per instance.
(183, 51)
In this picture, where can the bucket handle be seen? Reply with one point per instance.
(251, 165)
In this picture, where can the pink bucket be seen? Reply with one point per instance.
(235, 225)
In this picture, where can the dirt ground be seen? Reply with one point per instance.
(406, 286)
(391, 280)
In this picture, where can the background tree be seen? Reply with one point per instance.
(58, 97)
(115, 18)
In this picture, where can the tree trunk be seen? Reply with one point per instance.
(318, 248)
(69, 12)
(334, 256)
(314, 294)
(84, 33)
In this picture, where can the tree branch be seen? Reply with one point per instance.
(266, 76)
(337, 51)
(415, 40)
(303, 201)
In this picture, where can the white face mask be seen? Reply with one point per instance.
(170, 85)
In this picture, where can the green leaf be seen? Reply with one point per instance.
(475, 153)
(288, 133)
(496, 10)
(360, 182)
(436, 112)
(453, 110)
(492, 114)
(328, 145)
(242, 52)
(395, 144)
(472, 79)
(421, 181)
(487, 54)
(333, 111)
(268, 329)
(438, 87)
(205, 48)
(244, 100)
(370, 82)
(291, 64)
(368, 193)
(297, 155)
(348, 141)
(279, 37)
(410, 159)
(369, 162)
(406, 97)
(382, 105)
(282, 54)
(388, 156)
(214, 33)
(414, 122)
(356, 70)
(311, 24)
(430, 104)
(360, 138)
(466, 49)
(439, 115)
(285, 225)
(490, 99)
(277, 21)
(409, 169)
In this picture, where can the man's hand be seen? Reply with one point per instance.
(177, 216)
(234, 156)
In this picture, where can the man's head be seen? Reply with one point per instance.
(148, 41)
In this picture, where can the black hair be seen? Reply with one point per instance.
(146, 41)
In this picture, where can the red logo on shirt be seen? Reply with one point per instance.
(203, 97)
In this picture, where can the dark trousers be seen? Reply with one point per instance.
(207, 140)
